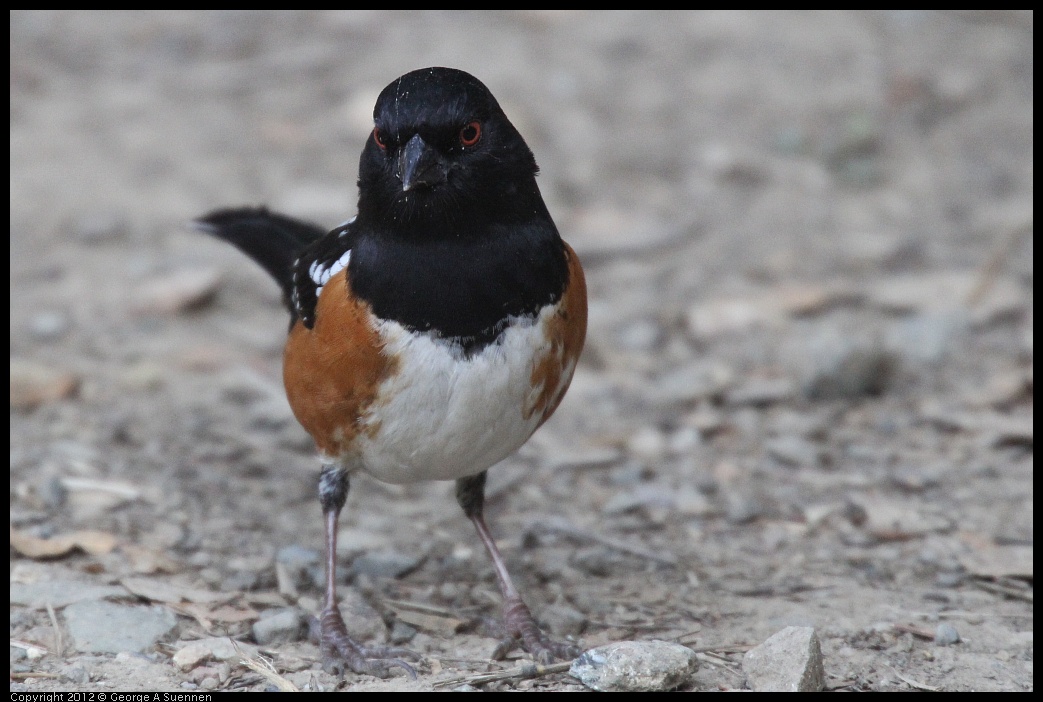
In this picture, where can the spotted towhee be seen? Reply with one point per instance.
(435, 331)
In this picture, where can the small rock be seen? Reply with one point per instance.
(283, 626)
(642, 335)
(761, 392)
(48, 326)
(637, 496)
(401, 633)
(599, 561)
(648, 444)
(385, 564)
(856, 373)
(106, 627)
(714, 318)
(794, 451)
(361, 619)
(742, 508)
(177, 292)
(563, 620)
(60, 592)
(75, 674)
(217, 648)
(788, 661)
(608, 232)
(294, 563)
(636, 666)
(34, 384)
(99, 227)
(946, 635)
(690, 382)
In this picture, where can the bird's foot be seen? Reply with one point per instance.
(341, 653)
(523, 631)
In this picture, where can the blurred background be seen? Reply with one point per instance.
(808, 242)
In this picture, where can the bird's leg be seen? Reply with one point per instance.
(338, 649)
(521, 626)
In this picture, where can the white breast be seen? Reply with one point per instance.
(441, 415)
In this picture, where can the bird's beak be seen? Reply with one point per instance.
(420, 165)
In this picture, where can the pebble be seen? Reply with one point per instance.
(794, 451)
(599, 561)
(99, 227)
(761, 392)
(361, 619)
(280, 626)
(218, 648)
(636, 666)
(48, 326)
(743, 509)
(106, 627)
(606, 232)
(60, 592)
(177, 292)
(946, 635)
(296, 562)
(637, 496)
(564, 620)
(647, 444)
(385, 564)
(928, 336)
(75, 674)
(690, 382)
(34, 384)
(856, 373)
(788, 661)
(401, 633)
(642, 335)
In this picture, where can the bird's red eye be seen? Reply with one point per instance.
(470, 134)
(378, 136)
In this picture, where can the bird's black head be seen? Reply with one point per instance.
(442, 151)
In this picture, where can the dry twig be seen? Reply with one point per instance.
(523, 672)
(264, 667)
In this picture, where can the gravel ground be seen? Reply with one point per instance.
(806, 397)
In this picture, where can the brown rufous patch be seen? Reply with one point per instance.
(566, 330)
(332, 371)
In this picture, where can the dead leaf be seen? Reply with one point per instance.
(442, 626)
(93, 542)
(225, 613)
(169, 592)
(147, 561)
(987, 560)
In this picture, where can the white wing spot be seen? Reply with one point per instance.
(321, 275)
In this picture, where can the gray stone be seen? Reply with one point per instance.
(75, 674)
(563, 620)
(946, 635)
(852, 374)
(794, 451)
(385, 564)
(282, 626)
(789, 661)
(106, 627)
(636, 666)
(48, 325)
(60, 593)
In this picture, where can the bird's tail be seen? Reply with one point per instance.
(272, 240)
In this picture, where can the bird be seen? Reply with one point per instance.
(432, 333)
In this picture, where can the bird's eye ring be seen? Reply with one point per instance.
(380, 138)
(471, 133)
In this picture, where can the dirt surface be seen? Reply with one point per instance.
(806, 396)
